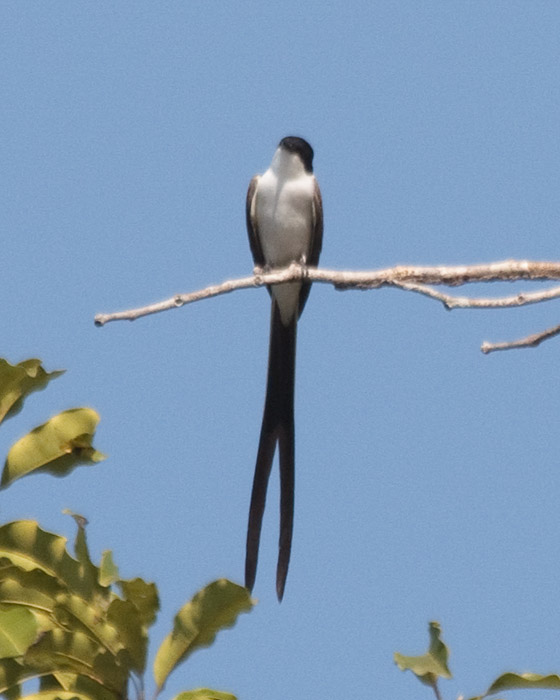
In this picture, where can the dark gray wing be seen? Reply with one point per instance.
(316, 242)
(252, 229)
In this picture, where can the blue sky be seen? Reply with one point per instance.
(427, 473)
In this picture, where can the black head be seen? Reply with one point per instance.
(294, 144)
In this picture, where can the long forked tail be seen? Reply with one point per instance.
(277, 426)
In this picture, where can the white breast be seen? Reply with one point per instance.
(284, 212)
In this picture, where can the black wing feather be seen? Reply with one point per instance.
(315, 244)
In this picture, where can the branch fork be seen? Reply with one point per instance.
(417, 279)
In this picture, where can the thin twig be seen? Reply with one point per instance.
(294, 272)
(531, 341)
(436, 690)
(453, 302)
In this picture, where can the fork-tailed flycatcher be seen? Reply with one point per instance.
(285, 225)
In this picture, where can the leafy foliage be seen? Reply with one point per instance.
(78, 627)
(214, 607)
(18, 629)
(82, 630)
(204, 694)
(69, 624)
(18, 381)
(518, 681)
(60, 623)
(429, 667)
(56, 447)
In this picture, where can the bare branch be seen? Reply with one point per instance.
(409, 278)
(406, 277)
(448, 275)
(288, 274)
(452, 302)
(531, 341)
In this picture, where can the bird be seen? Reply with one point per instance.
(284, 212)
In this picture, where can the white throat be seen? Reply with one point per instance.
(286, 165)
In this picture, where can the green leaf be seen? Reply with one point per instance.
(81, 550)
(75, 614)
(213, 608)
(18, 630)
(204, 694)
(144, 596)
(12, 673)
(34, 589)
(58, 695)
(126, 619)
(80, 543)
(54, 682)
(108, 570)
(18, 381)
(118, 630)
(80, 686)
(13, 693)
(26, 546)
(58, 650)
(428, 667)
(56, 447)
(518, 681)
